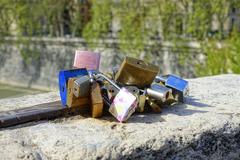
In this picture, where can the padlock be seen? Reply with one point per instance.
(170, 98)
(141, 103)
(136, 72)
(140, 97)
(81, 87)
(114, 71)
(178, 85)
(106, 100)
(124, 103)
(154, 106)
(96, 100)
(133, 89)
(72, 100)
(87, 59)
(63, 77)
(158, 92)
(111, 91)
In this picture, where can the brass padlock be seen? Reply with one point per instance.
(154, 106)
(96, 100)
(136, 72)
(141, 103)
(72, 100)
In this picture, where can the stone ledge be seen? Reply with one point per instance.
(207, 126)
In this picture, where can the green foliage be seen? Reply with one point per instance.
(132, 28)
(43, 17)
(98, 28)
(222, 57)
(142, 24)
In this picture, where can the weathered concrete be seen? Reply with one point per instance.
(206, 127)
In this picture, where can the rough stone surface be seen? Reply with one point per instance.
(207, 126)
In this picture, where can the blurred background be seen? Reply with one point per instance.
(190, 38)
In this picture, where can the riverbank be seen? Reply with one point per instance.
(10, 91)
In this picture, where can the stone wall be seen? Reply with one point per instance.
(206, 127)
(36, 62)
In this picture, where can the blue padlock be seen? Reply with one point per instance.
(63, 77)
(178, 85)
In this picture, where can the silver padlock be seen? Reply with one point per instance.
(81, 87)
(105, 97)
(114, 71)
(158, 92)
(141, 97)
(179, 86)
(111, 91)
(124, 103)
(133, 89)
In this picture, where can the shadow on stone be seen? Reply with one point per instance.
(221, 144)
(147, 118)
(195, 102)
(181, 110)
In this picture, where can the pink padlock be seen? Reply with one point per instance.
(86, 59)
(123, 105)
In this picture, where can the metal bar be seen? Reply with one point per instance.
(109, 80)
(39, 112)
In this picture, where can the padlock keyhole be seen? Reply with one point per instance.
(139, 62)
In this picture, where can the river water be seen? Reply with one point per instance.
(9, 91)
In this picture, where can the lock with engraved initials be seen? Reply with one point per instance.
(124, 103)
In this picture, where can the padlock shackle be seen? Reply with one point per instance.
(161, 78)
(109, 80)
(90, 74)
